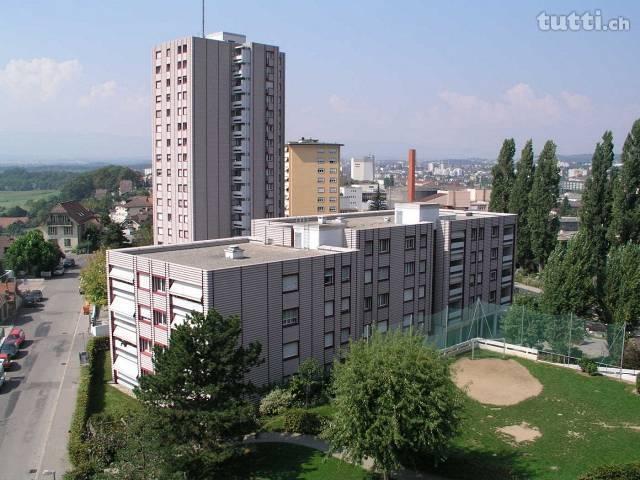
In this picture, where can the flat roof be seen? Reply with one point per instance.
(212, 257)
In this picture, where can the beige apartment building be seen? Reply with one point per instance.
(218, 136)
(305, 286)
(311, 177)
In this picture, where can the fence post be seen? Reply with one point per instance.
(522, 326)
(624, 330)
(570, 327)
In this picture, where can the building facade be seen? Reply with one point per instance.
(218, 127)
(305, 286)
(66, 224)
(312, 177)
(357, 197)
(363, 169)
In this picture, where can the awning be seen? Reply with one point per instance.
(186, 290)
(126, 335)
(126, 367)
(121, 273)
(123, 306)
(186, 305)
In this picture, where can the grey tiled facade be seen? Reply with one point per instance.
(305, 286)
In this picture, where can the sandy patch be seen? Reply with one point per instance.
(494, 381)
(521, 433)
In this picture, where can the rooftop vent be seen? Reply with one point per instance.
(469, 214)
(338, 220)
(233, 252)
(321, 220)
(387, 219)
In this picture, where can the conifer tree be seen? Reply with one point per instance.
(519, 204)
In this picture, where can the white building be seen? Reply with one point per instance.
(356, 198)
(363, 169)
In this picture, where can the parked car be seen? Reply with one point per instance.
(2, 375)
(7, 352)
(28, 301)
(59, 270)
(69, 263)
(16, 336)
(36, 295)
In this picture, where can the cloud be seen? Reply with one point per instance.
(96, 92)
(37, 78)
(576, 101)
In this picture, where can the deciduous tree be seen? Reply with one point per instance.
(32, 253)
(93, 279)
(393, 396)
(503, 177)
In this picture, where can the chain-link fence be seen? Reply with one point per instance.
(559, 338)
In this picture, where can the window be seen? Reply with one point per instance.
(345, 305)
(368, 276)
(368, 247)
(145, 345)
(328, 308)
(494, 253)
(320, 179)
(472, 280)
(158, 54)
(473, 257)
(495, 230)
(290, 350)
(320, 189)
(409, 243)
(420, 319)
(383, 300)
(333, 180)
(68, 231)
(368, 303)
(159, 284)
(383, 326)
(328, 276)
(423, 266)
(479, 278)
(408, 294)
(493, 275)
(320, 170)
(383, 273)
(290, 283)
(67, 242)
(328, 340)
(407, 320)
(492, 296)
(409, 268)
(320, 199)
(480, 256)
(383, 245)
(423, 240)
(422, 291)
(52, 230)
(345, 273)
(159, 318)
(289, 317)
(344, 335)
(481, 233)
(474, 233)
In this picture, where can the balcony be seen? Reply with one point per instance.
(505, 300)
(506, 279)
(507, 238)
(455, 292)
(507, 258)
(237, 119)
(457, 245)
(455, 268)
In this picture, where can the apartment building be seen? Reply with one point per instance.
(312, 177)
(305, 286)
(218, 126)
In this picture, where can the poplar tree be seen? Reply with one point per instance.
(543, 226)
(503, 177)
(625, 212)
(519, 204)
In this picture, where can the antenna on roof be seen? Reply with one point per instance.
(202, 18)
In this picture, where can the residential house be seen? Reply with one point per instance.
(67, 223)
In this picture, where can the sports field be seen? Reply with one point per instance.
(10, 198)
(515, 429)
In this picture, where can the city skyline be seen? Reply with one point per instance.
(76, 82)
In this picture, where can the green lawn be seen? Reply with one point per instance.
(10, 198)
(104, 398)
(280, 461)
(582, 420)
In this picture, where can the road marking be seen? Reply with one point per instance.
(55, 405)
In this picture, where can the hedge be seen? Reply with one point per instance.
(77, 453)
(628, 471)
(299, 420)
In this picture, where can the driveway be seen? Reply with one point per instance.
(38, 399)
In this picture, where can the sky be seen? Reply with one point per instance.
(451, 79)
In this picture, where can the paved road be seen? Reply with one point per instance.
(37, 401)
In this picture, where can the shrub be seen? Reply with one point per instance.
(588, 366)
(276, 401)
(628, 471)
(299, 420)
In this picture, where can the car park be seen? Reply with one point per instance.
(7, 352)
(16, 336)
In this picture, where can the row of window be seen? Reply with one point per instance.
(65, 230)
(181, 49)
(331, 190)
(181, 233)
(331, 170)
(331, 179)
(181, 203)
(182, 142)
(321, 209)
(181, 187)
(330, 160)
(331, 199)
(384, 244)
(182, 157)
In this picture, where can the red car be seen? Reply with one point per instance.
(16, 336)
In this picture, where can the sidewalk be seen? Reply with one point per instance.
(317, 444)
